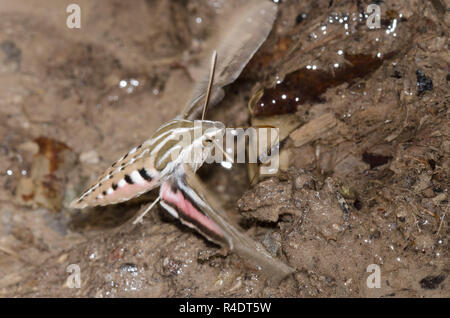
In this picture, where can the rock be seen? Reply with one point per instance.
(272, 242)
(267, 200)
(305, 181)
(432, 282)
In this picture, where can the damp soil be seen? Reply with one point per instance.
(368, 185)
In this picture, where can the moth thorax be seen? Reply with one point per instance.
(190, 144)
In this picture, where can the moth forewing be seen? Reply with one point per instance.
(238, 38)
(201, 210)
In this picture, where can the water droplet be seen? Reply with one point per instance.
(123, 84)
(226, 164)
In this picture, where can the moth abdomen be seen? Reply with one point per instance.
(119, 185)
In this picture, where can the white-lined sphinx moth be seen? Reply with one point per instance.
(162, 159)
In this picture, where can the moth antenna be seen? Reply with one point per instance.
(227, 156)
(252, 182)
(210, 83)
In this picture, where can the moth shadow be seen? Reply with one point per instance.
(108, 217)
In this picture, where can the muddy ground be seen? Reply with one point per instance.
(364, 163)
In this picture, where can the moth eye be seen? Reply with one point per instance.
(207, 142)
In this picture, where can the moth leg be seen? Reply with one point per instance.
(141, 216)
(186, 198)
